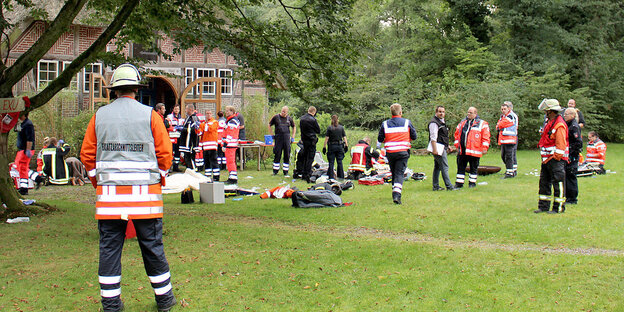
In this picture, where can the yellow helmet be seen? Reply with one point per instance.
(126, 75)
(550, 104)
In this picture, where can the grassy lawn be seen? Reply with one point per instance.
(474, 249)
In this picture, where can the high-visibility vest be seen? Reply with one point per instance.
(230, 133)
(221, 130)
(209, 134)
(54, 165)
(596, 151)
(130, 147)
(397, 139)
(174, 121)
(278, 192)
(477, 137)
(507, 127)
(548, 140)
(358, 157)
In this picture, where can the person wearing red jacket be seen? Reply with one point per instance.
(596, 150)
(553, 146)
(127, 152)
(230, 142)
(507, 127)
(208, 143)
(472, 140)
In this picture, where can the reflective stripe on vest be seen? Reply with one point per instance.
(125, 152)
(129, 202)
(55, 177)
(397, 139)
(358, 158)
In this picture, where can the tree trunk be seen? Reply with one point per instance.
(11, 205)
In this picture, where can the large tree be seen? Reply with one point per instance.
(306, 43)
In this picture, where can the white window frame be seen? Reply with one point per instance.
(189, 76)
(75, 82)
(49, 72)
(226, 81)
(206, 88)
(87, 82)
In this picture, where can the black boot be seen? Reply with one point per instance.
(23, 191)
(396, 198)
(38, 182)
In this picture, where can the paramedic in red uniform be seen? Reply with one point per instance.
(208, 142)
(230, 142)
(397, 133)
(127, 152)
(472, 140)
(175, 121)
(553, 146)
(26, 148)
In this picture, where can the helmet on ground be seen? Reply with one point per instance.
(125, 76)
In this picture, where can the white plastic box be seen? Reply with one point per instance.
(212, 193)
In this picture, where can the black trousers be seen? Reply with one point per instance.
(149, 235)
(211, 165)
(176, 153)
(508, 155)
(571, 184)
(462, 161)
(189, 160)
(398, 164)
(335, 152)
(282, 146)
(309, 150)
(552, 175)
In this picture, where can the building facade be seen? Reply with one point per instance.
(167, 78)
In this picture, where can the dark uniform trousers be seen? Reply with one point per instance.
(211, 164)
(309, 150)
(149, 235)
(282, 146)
(571, 184)
(176, 154)
(462, 162)
(335, 152)
(398, 164)
(508, 155)
(552, 175)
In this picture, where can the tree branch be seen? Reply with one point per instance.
(83, 59)
(28, 60)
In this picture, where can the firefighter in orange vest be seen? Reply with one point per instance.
(230, 142)
(596, 150)
(208, 142)
(472, 140)
(127, 152)
(553, 146)
(397, 133)
(362, 155)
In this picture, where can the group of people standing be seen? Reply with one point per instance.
(204, 142)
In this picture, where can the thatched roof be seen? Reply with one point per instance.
(20, 14)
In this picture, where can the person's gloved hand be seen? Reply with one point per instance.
(378, 145)
(346, 148)
(61, 142)
(195, 125)
(324, 150)
(178, 128)
(28, 153)
(292, 140)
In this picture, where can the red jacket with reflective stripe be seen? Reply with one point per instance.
(209, 134)
(554, 140)
(396, 134)
(596, 151)
(230, 133)
(477, 138)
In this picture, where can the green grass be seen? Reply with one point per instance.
(475, 249)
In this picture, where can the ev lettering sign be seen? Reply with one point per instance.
(11, 105)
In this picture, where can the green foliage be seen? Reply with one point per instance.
(255, 111)
(324, 120)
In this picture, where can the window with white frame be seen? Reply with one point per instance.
(189, 76)
(226, 81)
(93, 68)
(206, 88)
(73, 84)
(46, 72)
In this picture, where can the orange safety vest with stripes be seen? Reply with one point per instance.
(127, 153)
(596, 151)
(209, 135)
(358, 157)
(278, 192)
(397, 139)
(507, 127)
(230, 134)
(548, 142)
(477, 137)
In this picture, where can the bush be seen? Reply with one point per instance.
(257, 116)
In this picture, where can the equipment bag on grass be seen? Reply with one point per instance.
(316, 199)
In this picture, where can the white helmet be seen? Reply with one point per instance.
(126, 75)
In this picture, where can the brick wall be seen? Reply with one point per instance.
(87, 35)
(167, 47)
(65, 44)
(216, 57)
(194, 55)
